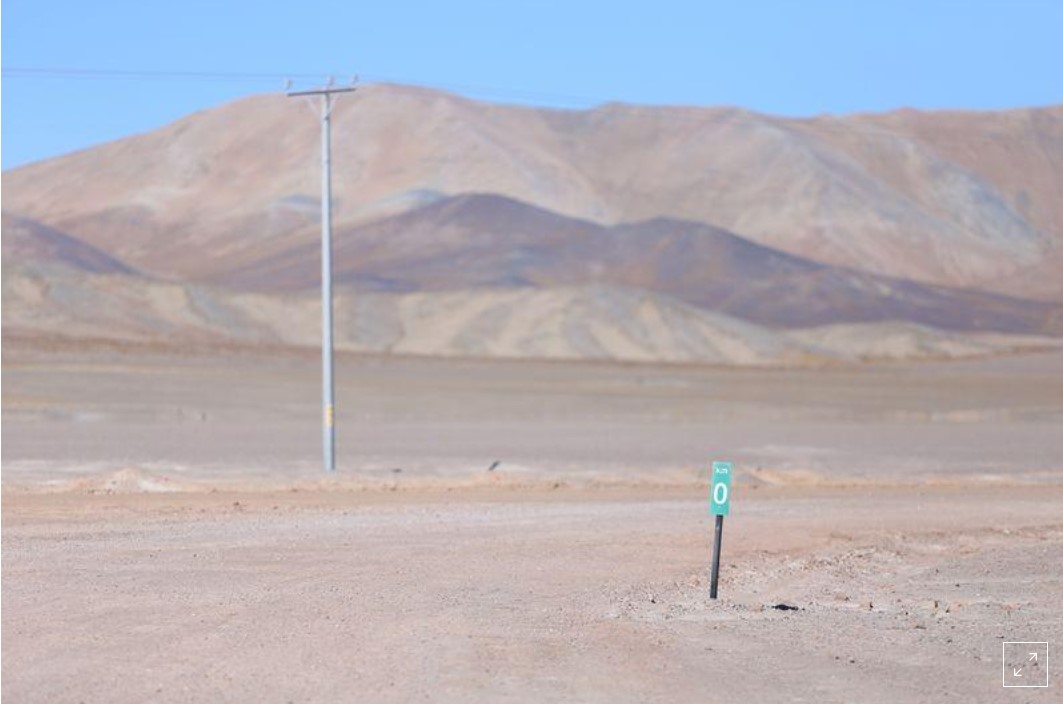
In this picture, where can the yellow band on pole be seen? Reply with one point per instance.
(328, 415)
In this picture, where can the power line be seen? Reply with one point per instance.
(261, 77)
(110, 74)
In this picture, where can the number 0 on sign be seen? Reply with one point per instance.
(720, 498)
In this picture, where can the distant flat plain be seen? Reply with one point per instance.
(168, 534)
(205, 415)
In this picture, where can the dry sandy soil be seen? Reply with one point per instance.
(167, 535)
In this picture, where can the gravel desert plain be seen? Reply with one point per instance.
(515, 531)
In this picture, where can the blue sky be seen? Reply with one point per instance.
(791, 58)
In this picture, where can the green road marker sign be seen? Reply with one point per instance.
(720, 496)
(720, 506)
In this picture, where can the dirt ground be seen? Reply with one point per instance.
(167, 535)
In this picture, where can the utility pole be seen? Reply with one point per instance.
(328, 407)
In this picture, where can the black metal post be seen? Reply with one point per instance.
(716, 557)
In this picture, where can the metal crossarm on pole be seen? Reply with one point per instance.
(328, 407)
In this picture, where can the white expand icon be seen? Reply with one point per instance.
(1025, 663)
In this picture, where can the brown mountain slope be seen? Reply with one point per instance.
(43, 303)
(487, 241)
(1017, 151)
(25, 240)
(56, 287)
(969, 199)
(1013, 158)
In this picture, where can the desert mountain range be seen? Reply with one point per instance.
(650, 233)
